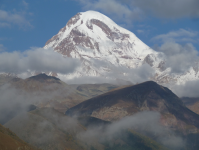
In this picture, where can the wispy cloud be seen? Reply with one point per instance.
(189, 89)
(118, 10)
(2, 48)
(16, 17)
(8, 19)
(168, 8)
(132, 10)
(4, 24)
(178, 48)
(180, 58)
(180, 35)
(25, 4)
(140, 31)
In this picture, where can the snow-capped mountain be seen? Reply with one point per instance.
(95, 39)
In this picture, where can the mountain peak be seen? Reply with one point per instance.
(91, 36)
(89, 15)
(151, 83)
(43, 77)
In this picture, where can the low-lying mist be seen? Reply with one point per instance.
(14, 101)
(47, 123)
(146, 123)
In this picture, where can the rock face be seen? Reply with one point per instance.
(102, 45)
(147, 96)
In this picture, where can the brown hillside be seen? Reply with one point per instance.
(58, 94)
(147, 96)
(47, 129)
(10, 141)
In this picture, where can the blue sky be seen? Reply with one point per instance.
(27, 23)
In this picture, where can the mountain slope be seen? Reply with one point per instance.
(18, 95)
(147, 96)
(9, 141)
(49, 129)
(59, 95)
(46, 129)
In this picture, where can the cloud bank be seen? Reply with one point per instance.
(189, 89)
(119, 75)
(180, 54)
(36, 60)
(180, 58)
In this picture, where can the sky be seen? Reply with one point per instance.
(25, 23)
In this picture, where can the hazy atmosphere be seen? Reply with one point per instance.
(99, 74)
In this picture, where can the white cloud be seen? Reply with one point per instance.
(168, 8)
(178, 49)
(180, 35)
(179, 57)
(189, 89)
(3, 38)
(8, 19)
(36, 59)
(25, 4)
(116, 76)
(146, 122)
(3, 24)
(2, 48)
(140, 31)
(118, 10)
(131, 10)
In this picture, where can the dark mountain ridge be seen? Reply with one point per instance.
(147, 96)
(42, 77)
